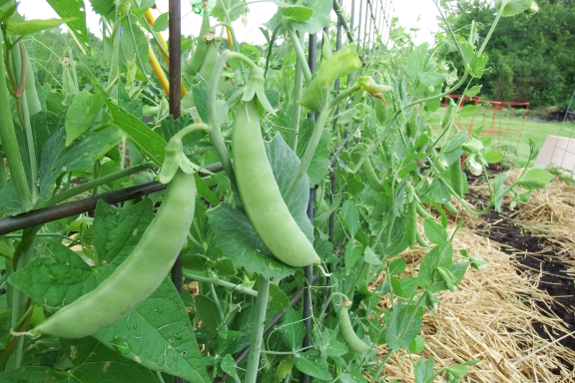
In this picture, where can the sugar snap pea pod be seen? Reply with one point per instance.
(371, 177)
(140, 273)
(260, 194)
(419, 238)
(32, 99)
(411, 224)
(422, 212)
(456, 178)
(209, 61)
(450, 208)
(349, 337)
(197, 60)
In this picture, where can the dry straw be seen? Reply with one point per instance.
(492, 314)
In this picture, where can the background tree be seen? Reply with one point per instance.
(531, 59)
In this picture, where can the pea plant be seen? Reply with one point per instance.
(292, 195)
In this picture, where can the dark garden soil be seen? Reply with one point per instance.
(535, 253)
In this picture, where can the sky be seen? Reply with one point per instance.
(420, 14)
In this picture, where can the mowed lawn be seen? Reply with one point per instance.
(510, 132)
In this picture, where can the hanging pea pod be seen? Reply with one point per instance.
(456, 178)
(209, 61)
(197, 60)
(419, 238)
(348, 334)
(422, 212)
(450, 208)
(411, 223)
(260, 194)
(370, 176)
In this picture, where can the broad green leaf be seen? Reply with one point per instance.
(81, 114)
(474, 91)
(434, 232)
(200, 92)
(341, 63)
(236, 237)
(349, 217)
(93, 359)
(424, 371)
(296, 13)
(417, 345)
(458, 370)
(44, 125)
(25, 28)
(33, 374)
(352, 254)
(319, 20)
(278, 299)
(371, 258)
(312, 365)
(404, 287)
(58, 159)
(444, 279)
(293, 329)
(134, 43)
(319, 166)
(103, 7)
(513, 7)
(222, 10)
(162, 22)
(397, 266)
(468, 110)
(404, 326)
(208, 312)
(158, 335)
(284, 367)
(72, 9)
(477, 65)
(493, 157)
(148, 141)
(440, 256)
(228, 366)
(535, 179)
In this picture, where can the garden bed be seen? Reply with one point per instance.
(517, 314)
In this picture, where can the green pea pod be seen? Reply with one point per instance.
(139, 275)
(209, 61)
(197, 60)
(260, 194)
(456, 178)
(349, 337)
(411, 223)
(422, 212)
(450, 208)
(419, 238)
(32, 99)
(371, 177)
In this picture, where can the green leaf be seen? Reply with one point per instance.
(371, 258)
(133, 44)
(434, 232)
(208, 311)
(493, 157)
(349, 217)
(162, 22)
(278, 298)
(229, 366)
(468, 110)
(458, 370)
(33, 374)
(417, 345)
(81, 114)
(91, 358)
(397, 266)
(513, 7)
(440, 256)
(312, 366)
(293, 329)
(25, 28)
(474, 91)
(477, 65)
(284, 367)
(80, 156)
(341, 63)
(219, 11)
(424, 371)
(72, 9)
(404, 287)
(404, 326)
(319, 20)
(296, 13)
(535, 179)
(148, 141)
(200, 92)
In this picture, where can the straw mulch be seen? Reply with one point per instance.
(492, 314)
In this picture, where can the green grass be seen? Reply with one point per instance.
(510, 135)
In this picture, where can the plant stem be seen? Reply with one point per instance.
(213, 117)
(382, 364)
(309, 152)
(10, 142)
(95, 183)
(299, 53)
(296, 108)
(257, 331)
(219, 282)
